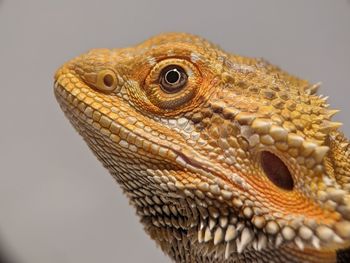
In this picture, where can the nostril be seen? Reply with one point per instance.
(276, 170)
(106, 81)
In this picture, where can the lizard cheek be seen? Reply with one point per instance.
(276, 171)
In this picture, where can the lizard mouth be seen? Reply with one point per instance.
(76, 103)
(80, 113)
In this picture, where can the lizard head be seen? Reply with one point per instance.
(224, 154)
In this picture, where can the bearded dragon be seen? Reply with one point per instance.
(225, 158)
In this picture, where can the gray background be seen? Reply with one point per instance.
(57, 204)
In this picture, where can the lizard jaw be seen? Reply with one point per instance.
(234, 235)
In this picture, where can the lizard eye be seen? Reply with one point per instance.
(172, 83)
(276, 171)
(173, 78)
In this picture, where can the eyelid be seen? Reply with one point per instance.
(187, 65)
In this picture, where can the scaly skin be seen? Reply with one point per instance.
(192, 161)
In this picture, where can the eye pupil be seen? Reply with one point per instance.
(172, 79)
(172, 76)
(108, 80)
(276, 171)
